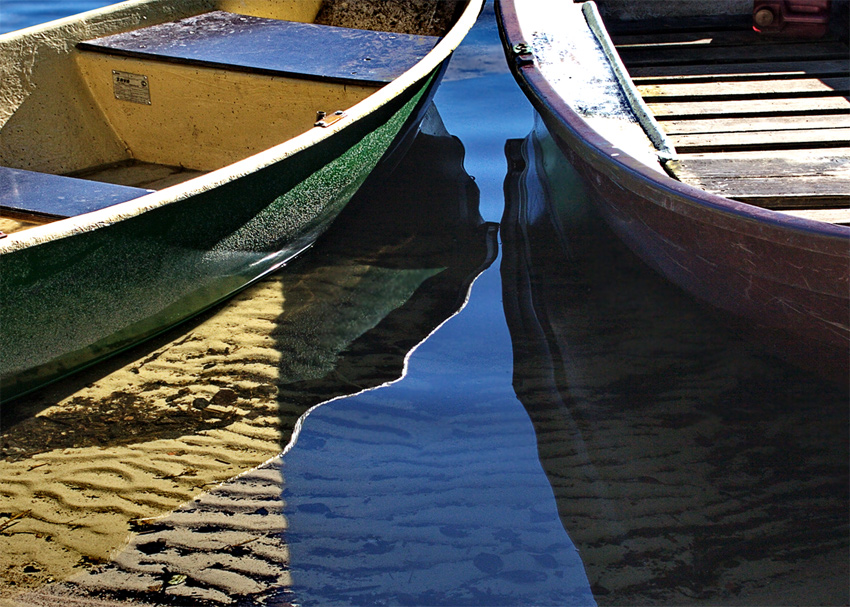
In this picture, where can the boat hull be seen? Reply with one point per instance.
(70, 302)
(792, 286)
(783, 283)
(785, 278)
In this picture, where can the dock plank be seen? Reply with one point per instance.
(752, 107)
(739, 71)
(646, 56)
(833, 163)
(679, 23)
(763, 140)
(727, 37)
(777, 179)
(756, 123)
(837, 216)
(757, 119)
(762, 89)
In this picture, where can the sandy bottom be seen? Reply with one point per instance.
(86, 473)
(97, 465)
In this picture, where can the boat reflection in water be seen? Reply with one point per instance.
(397, 263)
(688, 467)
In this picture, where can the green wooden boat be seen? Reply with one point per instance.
(157, 158)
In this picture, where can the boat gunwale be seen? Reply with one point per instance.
(102, 218)
(628, 172)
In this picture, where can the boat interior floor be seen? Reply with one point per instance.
(138, 174)
(764, 120)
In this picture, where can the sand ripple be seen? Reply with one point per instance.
(112, 451)
(67, 508)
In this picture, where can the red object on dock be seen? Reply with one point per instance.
(800, 18)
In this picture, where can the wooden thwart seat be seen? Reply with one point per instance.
(269, 46)
(202, 117)
(56, 196)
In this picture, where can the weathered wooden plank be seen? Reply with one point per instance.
(271, 46)
(838, 216)
(832, 163)
(758, 123)
(783, 194)
(791, 87)
(801, 200)
(738, 71)
(751, 107)
(780, 179)
(11, 222)
(721, 95)
(775, 52)
(761, 140)
(31, 192)
(679, 39)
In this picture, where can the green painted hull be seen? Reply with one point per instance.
(71, 302)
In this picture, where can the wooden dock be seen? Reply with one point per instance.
(764, 120)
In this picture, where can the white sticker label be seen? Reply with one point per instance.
(131, 87)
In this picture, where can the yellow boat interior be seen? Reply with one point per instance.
(149, 93)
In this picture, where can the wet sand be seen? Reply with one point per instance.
(140, 441)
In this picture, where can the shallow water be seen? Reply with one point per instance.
(421, 412)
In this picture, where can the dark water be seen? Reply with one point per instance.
(532, 418)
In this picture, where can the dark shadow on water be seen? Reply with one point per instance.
(689, 467)
(426, 491)
(417, 231)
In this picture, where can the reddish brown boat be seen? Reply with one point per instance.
(718, 154)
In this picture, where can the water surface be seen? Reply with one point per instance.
(455, 417)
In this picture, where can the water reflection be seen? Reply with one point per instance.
(421, 226)
(429, 491)
(689, 468)
(426, 491)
